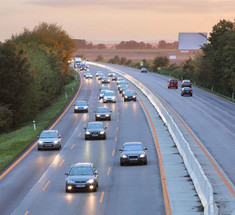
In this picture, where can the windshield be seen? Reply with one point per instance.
(81, 171)
(103, 110)
(109, 93)
(46, 134)
(130, 93)
(104, 88)
(80, 103)
(94, 126)
(133, 147)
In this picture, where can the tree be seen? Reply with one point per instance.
(99, 58)
(160, 62)
(101, 46)
(162, 44)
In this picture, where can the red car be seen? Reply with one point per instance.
(172, 83)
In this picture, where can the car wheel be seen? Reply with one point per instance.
(191, 95)
(168, 87)
(146, 162)
(96, 119)
(87, 111)
(95, 189)
(39, 149)
(110, 118)
(121, 164)
(86, 138)
(135, 99)
(104, 137)
(124, 100)
(67, 191)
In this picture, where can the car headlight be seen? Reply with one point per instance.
(70, 182)
(124, 156)
(107, 115)
(87, 132)
(102, 132)
(90, 181)
(142, 155)
(98, 115)
(125, 96)
(133, 96)
(40, 142)
(85, 107)
(76, 107)
(56, 141)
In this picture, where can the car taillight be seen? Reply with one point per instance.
(183, 91)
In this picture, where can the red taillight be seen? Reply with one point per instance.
(183, 91)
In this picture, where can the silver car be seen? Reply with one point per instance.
(49, 139)
(109, 96)
(88, 75)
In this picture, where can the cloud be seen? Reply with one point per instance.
(159, 6)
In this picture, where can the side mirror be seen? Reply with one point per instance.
(66, 173)
(145, 149)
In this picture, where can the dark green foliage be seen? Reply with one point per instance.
(160, 62)
(33, 71)
(6, 118)
(99, 58)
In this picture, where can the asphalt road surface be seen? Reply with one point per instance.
(37, 184)
(210, 117)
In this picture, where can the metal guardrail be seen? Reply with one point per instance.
(200, 180)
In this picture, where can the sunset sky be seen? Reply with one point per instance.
(116, 20)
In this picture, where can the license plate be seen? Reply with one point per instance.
(48, 145)
(80, 185)
(94, 135)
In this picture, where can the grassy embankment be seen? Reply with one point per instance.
(13, 143)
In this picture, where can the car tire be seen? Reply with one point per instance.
(104, 138)
(110, 118)
(87, 111)
(121, 163)
(86, 138)
(181, 94)
(145, 162)
(135, 99)
(96, 119)
(124, 100)
(168, 87)
(39, 149)
(67, 191)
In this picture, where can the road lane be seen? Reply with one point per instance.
(120, 188)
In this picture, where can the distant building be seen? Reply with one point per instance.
(192, 41)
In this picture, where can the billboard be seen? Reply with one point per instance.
(192, 41)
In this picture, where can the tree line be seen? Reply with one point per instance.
(213, 69)
(33, 71)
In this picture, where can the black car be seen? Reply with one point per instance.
(143, 70)
(133, 152)
(123, 88)
(80, 106)
(101, 76)
(105, 80)
(95, 130)
(186, 91)
(82, 176)
(83, 67)
(103, 113)
(129, 95)
(111, 74)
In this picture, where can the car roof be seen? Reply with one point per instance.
(186, 80)
(80, 101)
(108, 91)
(95, 123)
(133, 143)
(102, 108)
(50, 131)
(186, 88)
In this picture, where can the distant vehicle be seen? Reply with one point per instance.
(121, 82)
(111, 74)
(101, 76)
(87, 67)
(109, 96)
(105, 80)
(98, 73)
(82, 176)
(186, 91)
(103, 113)
(186, 83)
(88, 75)
(143, 70)
(115, 77)
(172, 83)
(95, 130)
(77, 62)
(133, 152)
(120, 79)
(80, 106)
(101, 96)
(83, 67)
(49, 139)
(124, 87)
(129, 95)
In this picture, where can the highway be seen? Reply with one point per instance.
(211, 118)
(37, 184)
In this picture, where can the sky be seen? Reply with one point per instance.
(116, 20)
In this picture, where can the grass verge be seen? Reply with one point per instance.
(15, 142)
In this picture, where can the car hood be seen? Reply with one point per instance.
(109, 97)
(102, 113)
(80, 177)
(48, 139)
(132, 153)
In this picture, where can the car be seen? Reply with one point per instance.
(129, 95)
(143, 70)
(124, 87)
(95, 130)
(121, 85)
(186, 83)
(120, 79)
(82, 176)
(109, 96)
(103, 113)
(49, 139)
(83, 67)
(121, 82)
(101, 76)
(186, 91)
(104, 88)
(133, 152)
(80, 106)
(105, 80)
(172, 83)
(124, 91)
(111, 74)
(87, 67)
(98, 73)
(115, 77)
(88, 75)
(101, 96)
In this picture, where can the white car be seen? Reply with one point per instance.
(109, 96)
(88, 75)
